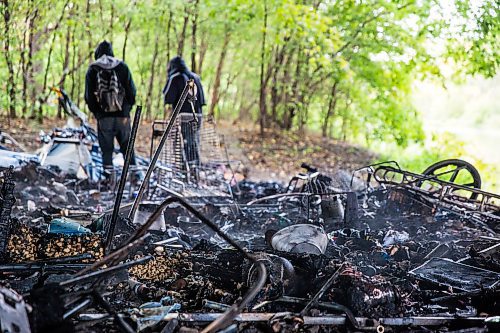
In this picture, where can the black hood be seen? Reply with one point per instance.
(103, 48)
(177, 64)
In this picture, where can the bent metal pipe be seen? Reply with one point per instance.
(189, 87)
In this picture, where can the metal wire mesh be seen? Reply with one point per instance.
(193, 160)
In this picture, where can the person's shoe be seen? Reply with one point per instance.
(109, 178)
(138, 177)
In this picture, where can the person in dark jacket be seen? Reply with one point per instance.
(112, 121)
(178, 75)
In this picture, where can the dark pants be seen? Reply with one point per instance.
(191, 135)
(108, 129)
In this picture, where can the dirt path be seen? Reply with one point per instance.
(279, 155)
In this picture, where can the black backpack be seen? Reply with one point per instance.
(110, 92)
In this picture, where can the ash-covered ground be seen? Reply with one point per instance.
(325, 253)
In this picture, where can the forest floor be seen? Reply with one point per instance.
(277, 156)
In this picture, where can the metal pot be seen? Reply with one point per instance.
(300, 238)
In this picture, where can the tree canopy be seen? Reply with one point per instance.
(343, 67)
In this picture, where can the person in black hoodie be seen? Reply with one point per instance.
(110, 94)
(178, 75)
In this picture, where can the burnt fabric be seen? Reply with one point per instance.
(108, 129)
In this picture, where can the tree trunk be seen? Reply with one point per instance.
(274, 93)
(159, 99)
(79, 87)
(65, 68)
(218, 73)
(127, 29)
(292, 104)
(75, 53)
(159, 95)
(87, 28)
(303, 107)
(331, 107)
(285, 91)
(169, 26)
(201, 55)
(278, 63)
(101, 13)
(111, 21)
(262, 95)
(246, 103)
(29, 64)
(43, 96)
(193, 35)
(11, 89)
(151, 79)
(26, 61)
(343, 131)
(182, 37)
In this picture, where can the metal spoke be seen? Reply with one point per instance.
(454, 175)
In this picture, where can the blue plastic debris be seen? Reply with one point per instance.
(148, 314)
(66, 226)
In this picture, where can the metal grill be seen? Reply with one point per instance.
(193, 160)
(212, 148)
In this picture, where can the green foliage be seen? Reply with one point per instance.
(373, 50)
(478, 52)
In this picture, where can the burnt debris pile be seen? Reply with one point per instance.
(381, 249)
(173, 245)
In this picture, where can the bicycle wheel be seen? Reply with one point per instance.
(455, 171)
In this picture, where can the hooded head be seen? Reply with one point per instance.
(177, 64)
(103, 48)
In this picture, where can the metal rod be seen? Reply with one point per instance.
(324, 305)
(320, 293)
(105, 271)
(125, 327)
(295, 194)
(123, 178)
(363, 322)
(490, 250)
(276, 196)
(145, 182)
(215, 305)
(61, 260)
(116, 256)
(166, 241)
(26, 268)
(77, 308)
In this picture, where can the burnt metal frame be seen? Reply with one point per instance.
(4, 136)
(443, 196)
(308, 195)
(444, 193)
(157, 131)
